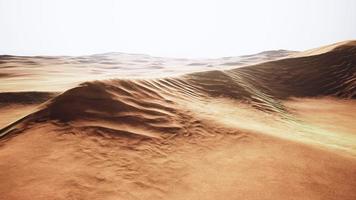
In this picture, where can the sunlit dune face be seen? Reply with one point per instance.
(327, 123)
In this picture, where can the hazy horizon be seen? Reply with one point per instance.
(199, 29)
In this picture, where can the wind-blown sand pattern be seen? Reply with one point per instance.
(266, 126)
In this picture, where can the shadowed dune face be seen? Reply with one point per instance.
(332, 73)
(276, 130)
(120, 105)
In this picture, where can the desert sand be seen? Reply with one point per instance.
(275, 125)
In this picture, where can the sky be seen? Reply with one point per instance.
(172, 28)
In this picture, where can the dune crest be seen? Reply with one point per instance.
(153, 105)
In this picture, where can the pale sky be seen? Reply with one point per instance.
(172, 28)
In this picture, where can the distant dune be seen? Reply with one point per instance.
(59, 73)
(274, 125)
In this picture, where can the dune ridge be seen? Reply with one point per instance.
(153, 102)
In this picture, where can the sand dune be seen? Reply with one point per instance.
(281, 129)
(324, 49)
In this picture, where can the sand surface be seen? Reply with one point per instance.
(283, 129)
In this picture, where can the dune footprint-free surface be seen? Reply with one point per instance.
(276, 125)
